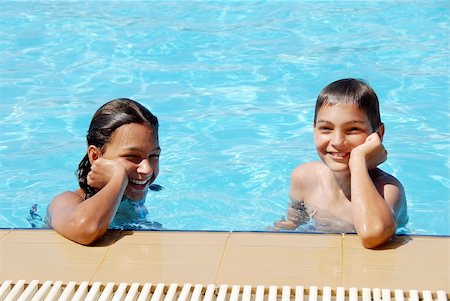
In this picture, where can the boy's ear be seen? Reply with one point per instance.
(93, 153)
(380, 131)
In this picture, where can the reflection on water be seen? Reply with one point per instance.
(233, 85)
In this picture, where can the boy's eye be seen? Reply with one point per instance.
(354, 130)
(325, 130)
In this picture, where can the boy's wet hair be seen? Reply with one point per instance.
(354, 91)
(105, 121)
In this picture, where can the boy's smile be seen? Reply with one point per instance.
(338, 130)
(338, 156)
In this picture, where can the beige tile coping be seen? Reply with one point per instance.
(244, 258)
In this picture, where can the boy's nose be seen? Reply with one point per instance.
(338, 139)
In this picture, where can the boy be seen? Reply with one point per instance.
(345, 191)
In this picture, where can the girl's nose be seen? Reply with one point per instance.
(145, 167)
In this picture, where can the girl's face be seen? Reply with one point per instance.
(337, 131)
(136, 147)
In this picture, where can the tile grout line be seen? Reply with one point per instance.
(342, 259)
(222, 258)
(100, 263)
(6, 234)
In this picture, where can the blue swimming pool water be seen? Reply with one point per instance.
(233, 84)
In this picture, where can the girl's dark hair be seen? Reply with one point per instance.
(355, 91)
(105, 121)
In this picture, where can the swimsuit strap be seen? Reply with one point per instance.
(139, 206)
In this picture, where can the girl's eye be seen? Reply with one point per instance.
(133, 158)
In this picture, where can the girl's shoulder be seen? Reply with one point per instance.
(64, 200)
(76, 196)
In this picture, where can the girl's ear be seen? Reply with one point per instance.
(93, 153)
(380, 131)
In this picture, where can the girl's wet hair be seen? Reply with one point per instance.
(105, 121)
(354, 91)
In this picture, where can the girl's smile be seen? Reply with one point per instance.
(138, 182)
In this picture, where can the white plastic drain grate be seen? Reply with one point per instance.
(73, 291)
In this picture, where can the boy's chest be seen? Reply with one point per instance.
(328, 204)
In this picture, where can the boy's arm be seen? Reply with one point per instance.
(374, 205)
(295, 216)
(84, 221)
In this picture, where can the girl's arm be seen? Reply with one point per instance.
(376, 202)
(84, 221)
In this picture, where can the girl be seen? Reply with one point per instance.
(121, 162)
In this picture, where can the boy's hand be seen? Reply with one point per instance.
(283, 224)
(102, 171)
(371, 151)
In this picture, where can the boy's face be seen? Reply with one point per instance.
(337, 131)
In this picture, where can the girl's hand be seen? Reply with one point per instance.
(371, 151)
(102, 171)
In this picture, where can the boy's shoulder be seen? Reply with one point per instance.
(309, 168)
(308, 174)
(304, 179)
(393, 192)
(381, 177)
